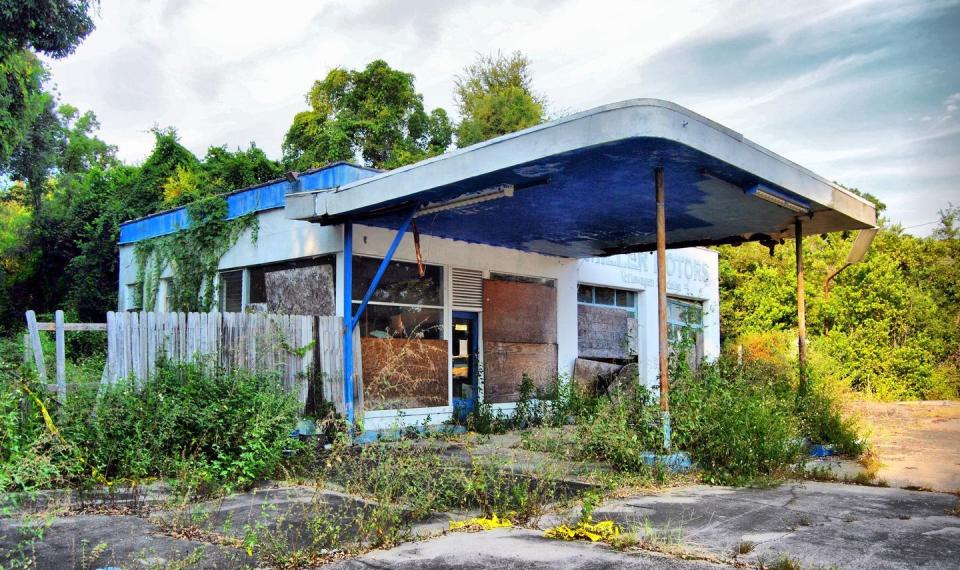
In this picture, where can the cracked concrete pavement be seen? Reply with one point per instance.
(816, 524)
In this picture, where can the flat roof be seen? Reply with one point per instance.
(583, 187)
(257, 198)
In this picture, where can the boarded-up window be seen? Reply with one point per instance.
(520, 337)
(231, 291)
(606, 323)
(300, 287)
(606, 333)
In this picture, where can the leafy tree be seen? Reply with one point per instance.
(21, 99)
(375, 115)
(83, 150)
(38, 152)
(51, 27)
(890, 326)
(495, 97)
(234, 170)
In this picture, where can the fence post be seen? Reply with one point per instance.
(61, 358)
(37, 349)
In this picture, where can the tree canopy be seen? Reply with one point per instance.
(495, 96)
(375, 115)
(888, 326)
(51, 27)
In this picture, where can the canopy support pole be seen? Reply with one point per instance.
(350, 320)
(801, 310)
(662, 304)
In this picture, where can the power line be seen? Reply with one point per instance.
(919, 225)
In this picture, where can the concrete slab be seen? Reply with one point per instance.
(817, 524)
(512, 548)
(918, 443)
(98, 541)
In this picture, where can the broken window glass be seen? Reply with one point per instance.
(399, 321)
(685, 328)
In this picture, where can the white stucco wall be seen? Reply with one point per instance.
(691, 274)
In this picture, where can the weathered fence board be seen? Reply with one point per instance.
(61, 358)
(296, 346)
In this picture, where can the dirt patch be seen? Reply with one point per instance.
(918, 443)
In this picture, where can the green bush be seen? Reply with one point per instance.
(737, 421)
(619, 432)
(203, 425)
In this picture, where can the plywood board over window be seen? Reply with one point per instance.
(606, 332)
(520, 337)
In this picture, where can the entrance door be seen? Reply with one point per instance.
(465, 362)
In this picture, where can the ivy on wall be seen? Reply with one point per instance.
(193, 256)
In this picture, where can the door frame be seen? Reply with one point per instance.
(474, 348)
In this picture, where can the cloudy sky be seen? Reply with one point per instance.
(863, 92)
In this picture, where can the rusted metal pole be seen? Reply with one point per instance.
(662, 304)
(801, 309)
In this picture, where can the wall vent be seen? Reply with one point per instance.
(467, 288)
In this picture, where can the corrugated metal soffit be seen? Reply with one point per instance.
(467, 288)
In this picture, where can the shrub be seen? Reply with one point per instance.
(736, 420)
(223, 428)
(203, 425)
(619, 432)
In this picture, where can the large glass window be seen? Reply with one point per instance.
(403, 305)
(405, 362)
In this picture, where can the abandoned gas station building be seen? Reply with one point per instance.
(518, 255)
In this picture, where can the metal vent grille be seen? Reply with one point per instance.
(467, 290)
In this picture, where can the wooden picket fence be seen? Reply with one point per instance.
(304, 349)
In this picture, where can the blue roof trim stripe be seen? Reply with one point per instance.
(241, 202)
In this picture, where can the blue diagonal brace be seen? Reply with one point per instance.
(383, 268)
(350, 320)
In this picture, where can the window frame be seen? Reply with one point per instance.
(633, 310)
(443, 292)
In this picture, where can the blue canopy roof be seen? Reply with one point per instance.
(583, 187)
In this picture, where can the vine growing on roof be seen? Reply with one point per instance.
(193, 256)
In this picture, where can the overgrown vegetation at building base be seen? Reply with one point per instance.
(199, 426)
(740, 421)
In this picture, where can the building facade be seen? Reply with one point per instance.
(471, 326)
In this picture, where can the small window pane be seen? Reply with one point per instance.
(584, 293)
(626, 299)
(605, 296)
(231, 291)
